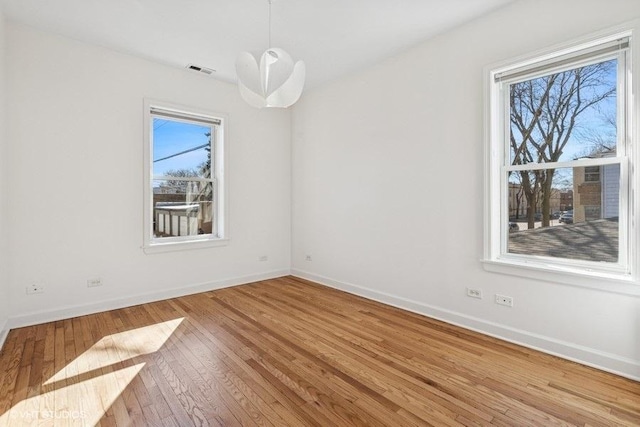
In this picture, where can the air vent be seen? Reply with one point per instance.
(200, 69)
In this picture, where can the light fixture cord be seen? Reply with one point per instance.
(269, 25)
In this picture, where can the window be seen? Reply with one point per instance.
(592, 174)
(184, 178)
(559, 183)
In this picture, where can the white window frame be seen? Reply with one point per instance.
(219, 235)
(621, 277)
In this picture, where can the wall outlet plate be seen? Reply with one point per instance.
(504, 300)
(474, 293)
(93, 283)
(36, 288)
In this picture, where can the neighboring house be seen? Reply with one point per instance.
(596, 190)
(517, 202)
(566, 200)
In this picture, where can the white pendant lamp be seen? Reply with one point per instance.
(276, 82)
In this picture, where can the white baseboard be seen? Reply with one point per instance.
(4, 332)
(35, 318)
(615, 364)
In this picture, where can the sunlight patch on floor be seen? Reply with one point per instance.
(118, 347)
(80, 404)
(83, 391)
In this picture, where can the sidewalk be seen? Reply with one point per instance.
(591, 241)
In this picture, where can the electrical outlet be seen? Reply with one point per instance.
(474, 293)
(93, 283)
(504, 300)
(263, 258)
(36, 288)
(307, 258)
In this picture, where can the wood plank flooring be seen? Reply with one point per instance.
(288, 352)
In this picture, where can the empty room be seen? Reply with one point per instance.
(305, 213)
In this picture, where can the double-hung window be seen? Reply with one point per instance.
(184, 178)
(559, 186)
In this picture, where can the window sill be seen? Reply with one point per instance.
(154, 248)
(609, 282)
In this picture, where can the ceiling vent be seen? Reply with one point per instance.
(200, 69)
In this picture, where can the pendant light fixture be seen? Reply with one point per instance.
(276, 82)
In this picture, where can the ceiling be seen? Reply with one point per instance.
(333, 37)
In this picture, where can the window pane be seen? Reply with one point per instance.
(181, 149)
(564, 116)
(575, 218)
(182, 208)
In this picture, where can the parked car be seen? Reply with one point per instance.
(513, 226)
(556, 215)
(566, 217)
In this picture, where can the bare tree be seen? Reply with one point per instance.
(600, 141)
(178, 186)
(545, 113)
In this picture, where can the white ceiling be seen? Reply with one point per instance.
(333, 37)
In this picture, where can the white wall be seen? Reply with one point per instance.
(75, 125)
(388, 188)
(4, 289)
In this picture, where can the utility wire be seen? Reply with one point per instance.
(182, 152)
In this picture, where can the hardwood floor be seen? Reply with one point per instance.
(291, 352)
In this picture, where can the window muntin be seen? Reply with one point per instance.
(184, 164)
(558, 149)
